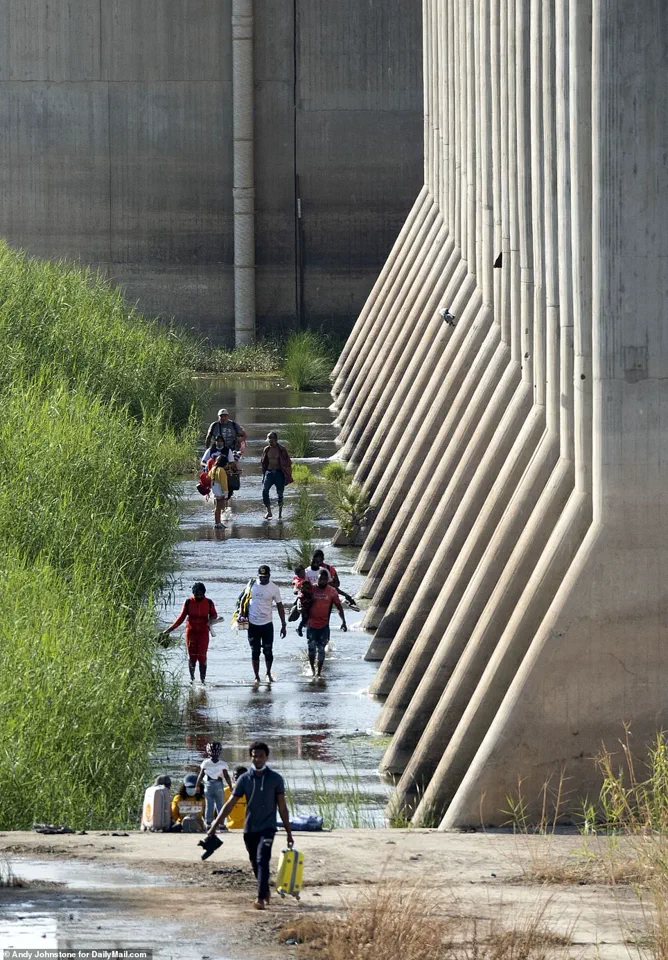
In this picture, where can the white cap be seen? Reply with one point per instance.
(222, 411)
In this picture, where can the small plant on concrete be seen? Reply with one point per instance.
(346, 498)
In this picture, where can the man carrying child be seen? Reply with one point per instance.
(316, 614)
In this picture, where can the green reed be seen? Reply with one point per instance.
(308, 362)
(298, 439)
(95, 420)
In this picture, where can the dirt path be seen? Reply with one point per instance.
(209, 904)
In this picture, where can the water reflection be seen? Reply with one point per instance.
(318, 733)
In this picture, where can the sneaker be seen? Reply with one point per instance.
(219, 526)
(258, 904)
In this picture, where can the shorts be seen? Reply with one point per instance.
(260, 635)
(197, 645)
(318, 638)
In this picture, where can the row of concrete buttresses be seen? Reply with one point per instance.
(517, 461)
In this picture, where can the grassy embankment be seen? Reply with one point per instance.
(94, 422)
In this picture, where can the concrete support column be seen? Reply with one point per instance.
(243, 111)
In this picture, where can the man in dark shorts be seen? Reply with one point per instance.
(263, 596)
(317, 623)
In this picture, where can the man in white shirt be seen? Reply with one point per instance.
(263, 596)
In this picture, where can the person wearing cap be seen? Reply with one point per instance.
(231, 432)
(199, 613)
(263, 595)
(276, 472)
(324, 597)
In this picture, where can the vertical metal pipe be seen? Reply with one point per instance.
(244, 170)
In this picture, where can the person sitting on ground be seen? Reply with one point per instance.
(325, 596)
(235, 821)
(188, 802)
(232, 433)
(219, 489)
(317, 564)
(212, 770)
(199, 613)
(276, 472)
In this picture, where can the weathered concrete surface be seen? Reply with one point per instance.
(516, 574)
(117, 148)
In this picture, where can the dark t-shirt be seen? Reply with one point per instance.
(261, 791)
(228, 431)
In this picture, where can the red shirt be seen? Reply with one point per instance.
(321, 606)
(198, 613)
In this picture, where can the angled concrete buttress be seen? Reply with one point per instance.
(515, 457)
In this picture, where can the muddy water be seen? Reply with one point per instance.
(89, 907)
(321, 735)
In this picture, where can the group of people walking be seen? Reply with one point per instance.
(225, 445)
(316, 592)
(255, 797)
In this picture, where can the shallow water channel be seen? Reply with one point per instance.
(321, 735)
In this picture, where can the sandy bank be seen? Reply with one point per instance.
(474, 873)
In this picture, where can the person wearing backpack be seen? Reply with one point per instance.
(232, 433)
(199, 613)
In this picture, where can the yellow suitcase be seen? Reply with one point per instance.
(290, 876)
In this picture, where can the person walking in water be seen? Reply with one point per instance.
(231, 432)
(324, 597)
(264, 792)
(313, 572)
(263, 595)
(276, 472)
(199, 613)
(219, 489)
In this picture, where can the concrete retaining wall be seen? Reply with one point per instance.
(117, 147)
(517, 555)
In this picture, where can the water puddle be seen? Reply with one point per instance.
(319, 733)
(72, 915)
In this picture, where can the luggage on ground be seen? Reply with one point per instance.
(289, 879)
(156, 813)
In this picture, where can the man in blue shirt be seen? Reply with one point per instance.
(264, 791)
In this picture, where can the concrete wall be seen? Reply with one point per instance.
(516, 553)
(116, 146)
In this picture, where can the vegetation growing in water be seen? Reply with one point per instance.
(348, 502)
(94, 422)
(308, 363)
(298, 439)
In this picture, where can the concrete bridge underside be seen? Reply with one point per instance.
(516, 461)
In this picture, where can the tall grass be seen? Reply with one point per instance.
(308, 363)
(303, 518)
(264, 356)
(94, 422)
(57, 320)
(298, 439)
(417, 922)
